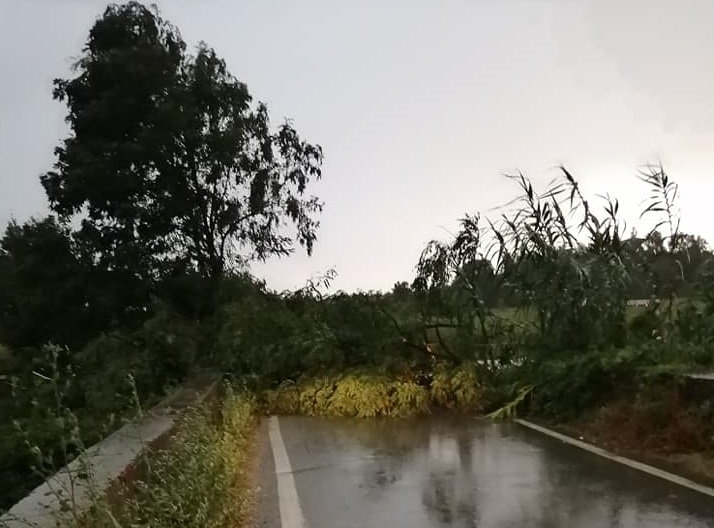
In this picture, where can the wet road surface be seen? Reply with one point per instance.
(465, 473)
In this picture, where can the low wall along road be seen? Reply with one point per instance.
(107, 461)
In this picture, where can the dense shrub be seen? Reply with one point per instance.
(370, 393)
(570, 385)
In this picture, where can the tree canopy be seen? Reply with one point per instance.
(169, 164)
(42, 297)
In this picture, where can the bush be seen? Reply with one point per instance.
(370, 393)
(157, 355)
(256, 335)
(571, 384)
(457, 389)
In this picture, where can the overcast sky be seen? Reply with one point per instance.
(420, 106)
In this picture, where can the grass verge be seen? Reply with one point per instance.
(201, 478)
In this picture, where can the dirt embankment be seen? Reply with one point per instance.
(669, 427)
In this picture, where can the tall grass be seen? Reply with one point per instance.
(201, 479)
(546, 283)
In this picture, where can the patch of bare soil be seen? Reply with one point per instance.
(659, 429)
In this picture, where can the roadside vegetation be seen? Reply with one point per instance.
(172, 181)
(201, 478)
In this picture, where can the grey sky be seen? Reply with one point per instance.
(420, 106)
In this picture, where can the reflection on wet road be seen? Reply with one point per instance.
(470, 473)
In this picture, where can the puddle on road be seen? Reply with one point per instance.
(470, 473)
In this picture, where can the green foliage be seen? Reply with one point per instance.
(87, 391)
(157, 355)
(202, 478)
(355, 328)
(43, 287)
(408, 399)
(199, 477)
(457, 389)
(258, 335)
(363, 396)
(367, 394)
(174, 166)
(272, 337)
(567, 387)
(539, 297)
(536, 252)
(42, 432)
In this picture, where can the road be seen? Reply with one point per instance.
(465, 473)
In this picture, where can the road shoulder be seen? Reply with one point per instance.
(646, 468)
(267, 508)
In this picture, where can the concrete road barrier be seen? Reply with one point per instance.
(74, 485)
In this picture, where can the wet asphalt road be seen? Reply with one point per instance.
(463, 473)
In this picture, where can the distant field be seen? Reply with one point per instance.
(525, 315)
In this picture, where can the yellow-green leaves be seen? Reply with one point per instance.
(457, 389)
(367, 394)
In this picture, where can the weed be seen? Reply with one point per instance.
(200, 479)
